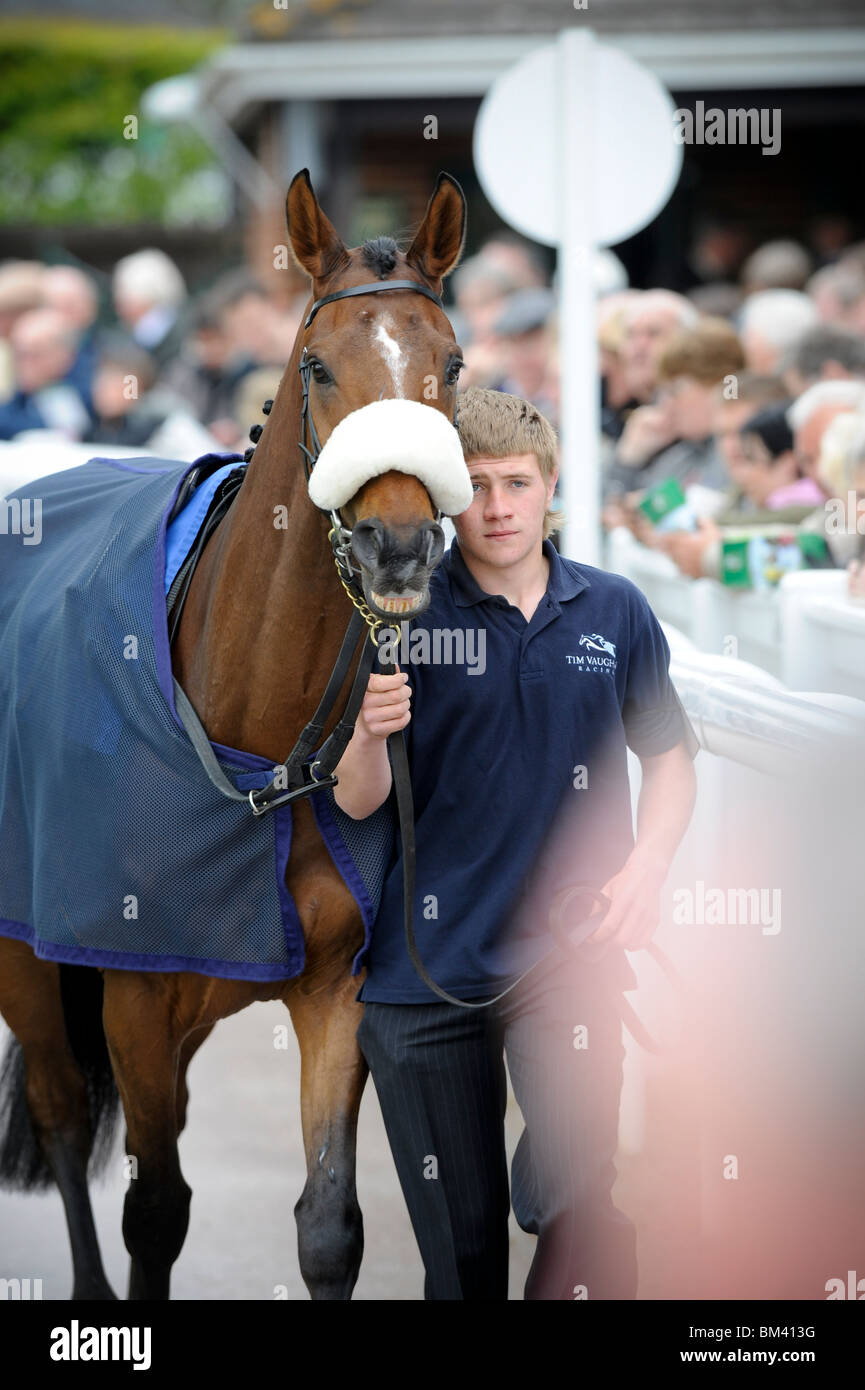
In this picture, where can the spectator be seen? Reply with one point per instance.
(651, 323)
(771, 325)
(44, 348)
(650, 319)
(135, 412)
(256, 387)
(840, 472)
(481, 290)
(149, 294)
(811, 415)
(257, 333)
(616, 399)
(838, 294)
(824, 353)
(718, 300)
(525, 329)
(74, 295)
(691, 367)
(516, 258)
(778, 265)
(841, 482)
(124, 376)
(209, 371)
(697, 553)
(770, 478)
(20, 291)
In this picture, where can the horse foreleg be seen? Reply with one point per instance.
(146, 1037)
(333, 1074)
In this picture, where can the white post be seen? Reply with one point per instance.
(580, 418)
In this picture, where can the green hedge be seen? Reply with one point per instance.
(65, 91)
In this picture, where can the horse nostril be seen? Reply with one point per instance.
(432, 542)
(366, 541)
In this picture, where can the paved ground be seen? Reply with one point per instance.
(242, 1155)
(766, 1073)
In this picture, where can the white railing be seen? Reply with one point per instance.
(763, 739)
(808, 632)
(39, 453)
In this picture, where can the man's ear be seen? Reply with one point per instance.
(551, 485)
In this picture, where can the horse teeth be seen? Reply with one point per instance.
(396, 605)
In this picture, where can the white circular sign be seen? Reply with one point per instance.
(519, 146)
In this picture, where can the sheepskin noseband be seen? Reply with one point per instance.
(393, 434)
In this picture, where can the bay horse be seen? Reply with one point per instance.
(259, 635)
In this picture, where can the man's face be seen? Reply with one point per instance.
(111, 398)
(729, 418)
(761, 355)
(691, 406)
(41, 351)
(648, 331)
(482, 303)
(505, 521)
(810, 437)
(527, 357)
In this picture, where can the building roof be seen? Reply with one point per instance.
(322, 20)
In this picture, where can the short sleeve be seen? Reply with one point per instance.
(652, 713)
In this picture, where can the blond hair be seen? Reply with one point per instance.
(841, 452)
(495, 425)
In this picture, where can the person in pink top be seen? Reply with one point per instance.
(768, 473)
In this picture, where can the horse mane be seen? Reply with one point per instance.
(379, 254)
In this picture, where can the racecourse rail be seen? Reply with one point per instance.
(807, 632)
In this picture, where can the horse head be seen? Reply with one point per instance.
(358, 349)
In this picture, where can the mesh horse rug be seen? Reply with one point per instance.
(115, 847)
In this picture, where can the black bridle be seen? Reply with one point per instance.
(309, 442)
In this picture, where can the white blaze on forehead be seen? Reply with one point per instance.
(391, 352)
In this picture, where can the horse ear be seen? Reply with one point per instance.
(314, 241)
(440, 237)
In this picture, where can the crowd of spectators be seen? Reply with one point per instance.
(749, 392)
(143, 366)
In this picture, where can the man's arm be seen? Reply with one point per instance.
(364, 768)
(667, 797)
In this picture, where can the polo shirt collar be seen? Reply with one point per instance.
(562, 584)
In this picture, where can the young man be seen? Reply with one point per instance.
(520, 783)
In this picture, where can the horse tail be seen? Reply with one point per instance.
(23, 1164)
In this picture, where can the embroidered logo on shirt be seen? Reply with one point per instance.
(596, 643)
(588, 661)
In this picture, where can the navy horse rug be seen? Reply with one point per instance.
(116, 849)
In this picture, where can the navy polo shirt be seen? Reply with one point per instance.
(517, 747)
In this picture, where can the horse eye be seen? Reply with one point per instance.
(320, 373)
(454, 368)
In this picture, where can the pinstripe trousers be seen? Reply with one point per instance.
(439, 1073)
